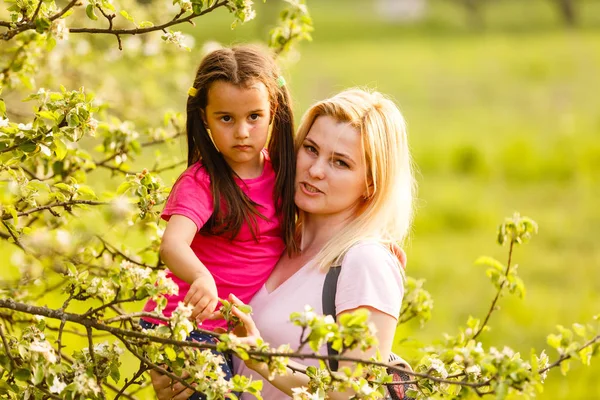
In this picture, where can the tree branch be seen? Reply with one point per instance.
(5, 343)
(31, 24)
(65, 204)
(567, 356)
(139, 31)
(493, 306)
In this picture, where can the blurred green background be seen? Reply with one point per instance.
(503, 112)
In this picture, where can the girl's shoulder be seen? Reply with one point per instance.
(194, 174)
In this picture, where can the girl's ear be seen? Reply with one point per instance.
(203, 116)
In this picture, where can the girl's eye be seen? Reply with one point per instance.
(226, 118)
(254, 117)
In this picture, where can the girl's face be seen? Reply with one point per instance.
(330, 169)
(238, 120)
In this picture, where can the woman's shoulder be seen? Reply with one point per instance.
(369, 249)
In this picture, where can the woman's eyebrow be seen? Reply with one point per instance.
(334, 154)
(312, 142)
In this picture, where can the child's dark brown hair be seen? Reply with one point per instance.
(243, 66)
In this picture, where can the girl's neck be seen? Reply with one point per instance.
(251, 169)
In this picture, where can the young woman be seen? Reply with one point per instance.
(354, 189)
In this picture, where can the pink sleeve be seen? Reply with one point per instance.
(370, 276)
(190, 197)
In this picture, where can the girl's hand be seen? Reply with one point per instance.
(203, 297)
(166, 389)
(399, 253)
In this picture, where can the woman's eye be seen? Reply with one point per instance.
(254, 117)
(340, 163)
(226, 118)
(310, 149)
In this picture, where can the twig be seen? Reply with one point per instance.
(31, 24)
(37, 10)
(65, 204)
(139, 31)
(135, 315)
(493, 306)
(93, 357)
(567, 356)
(5, 343)
(15, 238)
(113, 250)
(154, 366)
(139, 373)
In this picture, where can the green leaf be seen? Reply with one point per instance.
(126, 15)
(579, 330)
(38, 375)
(60, 149)
(564, 367)
(86, 191)
(146, 24)
(42, 25)
(89, 10)
(47, 115)
(115, 374)
(2, 107)
(22, 374)
(28, 147)
(124, 187)
(170, 353)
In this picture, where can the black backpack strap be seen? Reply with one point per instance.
(328, 302)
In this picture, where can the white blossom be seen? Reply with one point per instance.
(59, 29)
(57, 386)
(438, 365)
(45, 349)
(3, 122)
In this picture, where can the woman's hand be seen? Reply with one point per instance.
(166, 389)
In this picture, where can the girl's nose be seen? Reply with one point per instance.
(242, 131)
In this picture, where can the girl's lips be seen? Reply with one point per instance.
(243, 148)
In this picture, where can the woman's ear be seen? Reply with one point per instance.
(368, 191)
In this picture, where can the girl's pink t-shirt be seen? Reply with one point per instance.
(240, 266)
(369, 277)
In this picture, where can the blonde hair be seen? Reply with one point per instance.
(386, 214)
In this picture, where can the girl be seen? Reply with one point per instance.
(354, 193)
(231, 213)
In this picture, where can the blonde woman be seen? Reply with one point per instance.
(354, 191)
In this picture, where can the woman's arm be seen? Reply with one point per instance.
(385, 326)
(176, 253)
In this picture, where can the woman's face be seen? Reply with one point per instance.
(330, 169)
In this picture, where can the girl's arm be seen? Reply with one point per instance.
(385, 326)
(176, 253)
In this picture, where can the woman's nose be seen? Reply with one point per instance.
(317, 170)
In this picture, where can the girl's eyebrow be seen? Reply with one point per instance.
(228, 113)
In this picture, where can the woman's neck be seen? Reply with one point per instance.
(317, 230)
